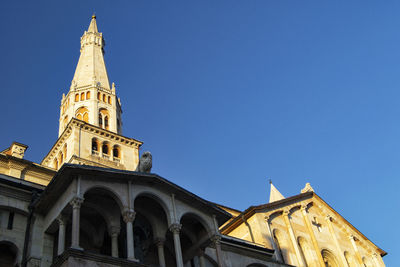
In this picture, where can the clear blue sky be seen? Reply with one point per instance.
(227, 94)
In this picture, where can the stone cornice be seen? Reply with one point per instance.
(75, 123)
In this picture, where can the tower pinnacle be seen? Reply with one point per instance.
(274, 194)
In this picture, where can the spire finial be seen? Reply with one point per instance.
(94, 16)
(270, 181)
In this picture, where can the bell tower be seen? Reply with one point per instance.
(90, 97)
(90, 125)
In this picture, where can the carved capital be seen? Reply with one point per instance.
(266, 218)
(114, 231)
(62, 220)
(352, 238)
(304, 207)
(76, 202)
(159, 242)
(216, 239)
(328, 218)
(129, 216)
(286, 213)
(175, 228)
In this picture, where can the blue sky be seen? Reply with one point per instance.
(229, 94)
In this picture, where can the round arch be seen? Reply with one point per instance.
(329, 258)
(159, 200)
(207, 227)
(109, 191)
(9, 254)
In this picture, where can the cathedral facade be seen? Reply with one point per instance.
(93, 202)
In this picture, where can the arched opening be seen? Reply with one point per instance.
(106, 122)
(100, 223)
(76, 97)
(116, 152)
(104, 98)
(61, 158)
(87, 95)
(306, 252)
(8, 254)
(367, 262)
(193, 236)
(55, 164)
(103, 118)
(150, 226)
(65, 121)
(82, 96)
(350, 259)
(98, 96)
(109, 99)
(282, 245)
(329, 258)
(82, 113)
(65, 151)
(95, 146)
(105, 148)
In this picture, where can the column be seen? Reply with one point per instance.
(175, 228)
(376, 257)
(62, 223)
(339, 252)
(312, 235)
(202, 262)
(353, 243)
(300, 259)
(277, 251)
(129, 217)
(216, 239)
(76, 203)
(114, 233)
(160, 248)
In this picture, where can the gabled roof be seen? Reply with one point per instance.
(233, 223)
(69, 171)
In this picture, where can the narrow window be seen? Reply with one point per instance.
(82, 96)
(109, 100)
(94, 145)
(106, 122)
(87, 95)
(98, 96)
(116, 152)
(76, 97)
(104, 98)
(105, 148)
(10, 221)
(100, 120)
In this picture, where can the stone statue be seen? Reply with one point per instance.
(307, 188)
(145, 162)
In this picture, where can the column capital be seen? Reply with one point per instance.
(76, 202)
(159, 241)
(352, 238)
(304, 207)
(62, 219)
(328, 218)
(175, 228)
(129, 215)
(216, 239)
(114, 230)
(286, 212)
(266, 218)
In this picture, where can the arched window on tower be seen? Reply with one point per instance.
(109, 100)
(104, 118)
(98, 96)
(104, 98)
(65, 151)
(106, 122)
(87, 95)
(105, 149)
(82, 113)
(116, 153)
(82, 96)
(95, 146)
(76, 97)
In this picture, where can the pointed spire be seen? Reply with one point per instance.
(91, 69)
(93, 25)
(274, 194)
